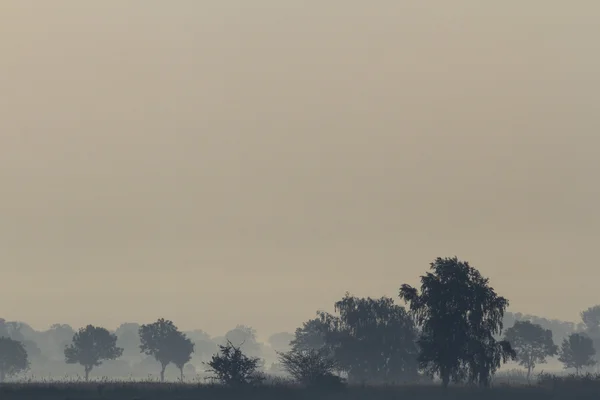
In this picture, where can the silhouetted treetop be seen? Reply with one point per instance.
(459, 315)
(532, 344)
(13, 358)
(91, 345)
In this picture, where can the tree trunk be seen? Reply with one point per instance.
(181, 371)
(87, 373)
(484, 379)
(445, 378)
(528, 374)
(162, 372)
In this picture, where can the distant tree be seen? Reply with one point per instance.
(183, 348)
(244, 337)
(560, 329)
(34, 353)
(13, 358)
(232, 367)
(3, 328)
(591, 319)
(373, 340)
(128, 338)
(11, 329)
(459, 315)
(204, 345)
(26, 331)
(281, 341)
(92, 345)
(532, 344)
(56, 339)
(310, 367)
(160, 340)
(577, 351)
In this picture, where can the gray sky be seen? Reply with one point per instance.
(232, 161)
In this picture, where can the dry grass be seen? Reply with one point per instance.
(550, 387)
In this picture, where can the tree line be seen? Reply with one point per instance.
(451, 328)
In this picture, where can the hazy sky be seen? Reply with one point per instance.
(233, 161)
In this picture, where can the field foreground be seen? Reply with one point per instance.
(175, 391)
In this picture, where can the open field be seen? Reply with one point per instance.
(175, 391)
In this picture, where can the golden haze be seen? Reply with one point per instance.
(232, 161)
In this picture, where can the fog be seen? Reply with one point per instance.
(225, 162)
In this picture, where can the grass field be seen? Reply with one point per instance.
(580, 389)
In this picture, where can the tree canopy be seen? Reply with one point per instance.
(312, 334)
(577, 351)
(91, 345)
(182, 351)
(591, 319)
(371, 339)
(13, 358)
(532, 344)
(128, 338)
(163, 341)
(459, 315)
(244, 337)
(374, 340)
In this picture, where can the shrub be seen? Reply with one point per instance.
(310, 367)
(232, 367)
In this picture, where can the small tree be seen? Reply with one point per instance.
(577, 351)
(183, 348)
(310, 367)
(91, 345)
(532, 344)
(13, 358)
(161, 340)
(233, 368)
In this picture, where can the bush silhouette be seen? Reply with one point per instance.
(232, 367)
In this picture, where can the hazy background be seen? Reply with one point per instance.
(233, 161)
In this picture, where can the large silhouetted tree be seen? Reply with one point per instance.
(371, 339)
(577, 351)
(92, 345)
(161, 340)
(458, 314)
(374, 340)
(532, 344)
(13, 358)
